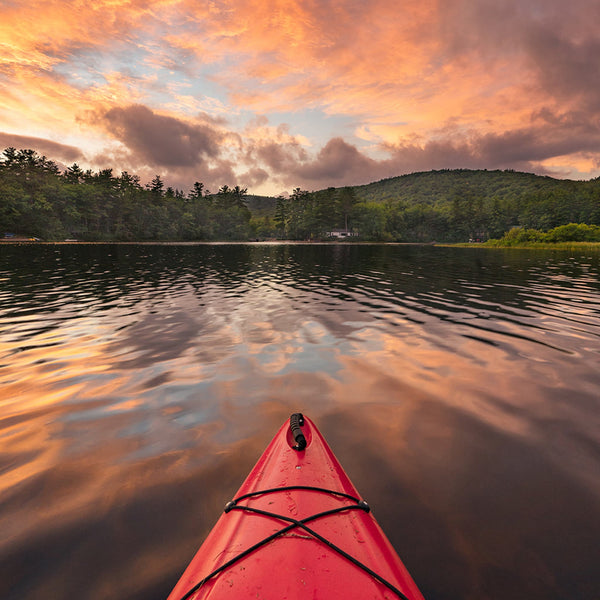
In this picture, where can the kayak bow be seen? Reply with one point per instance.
(297, 528)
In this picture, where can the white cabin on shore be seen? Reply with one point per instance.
(342, 233)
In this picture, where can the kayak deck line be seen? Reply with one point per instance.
(296, 528)
(285, 488)
(281, 532)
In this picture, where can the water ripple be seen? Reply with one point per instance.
(137, 376)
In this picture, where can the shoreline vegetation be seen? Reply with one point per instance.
(573, 236)
(572, 246)
(41, 202)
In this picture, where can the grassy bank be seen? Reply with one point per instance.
(575, 246)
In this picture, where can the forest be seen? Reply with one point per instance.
(39, 199)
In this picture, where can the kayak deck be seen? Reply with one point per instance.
(297, 528)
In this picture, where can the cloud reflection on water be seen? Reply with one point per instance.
(458, 388)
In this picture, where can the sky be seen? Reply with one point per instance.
(274, 95)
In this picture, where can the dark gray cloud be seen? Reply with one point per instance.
(557, 42)
(279, 157)
(253, 178)
(568, 69)
(52, 150)
(162, 141)
(336, 161)
(180, 151)
(486, 152)
(549, 136)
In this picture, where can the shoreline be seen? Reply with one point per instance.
(592, 246)
(213, 243)
(530, 246)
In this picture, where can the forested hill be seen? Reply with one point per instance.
(38, 199)
(438, 187)
(450, 205)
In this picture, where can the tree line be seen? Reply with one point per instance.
(38, 199)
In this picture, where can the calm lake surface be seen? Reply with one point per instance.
(459, 388)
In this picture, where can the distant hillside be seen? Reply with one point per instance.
(261, 206)
(435, 187)
(450, 205)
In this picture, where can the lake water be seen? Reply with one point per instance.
(459, 388)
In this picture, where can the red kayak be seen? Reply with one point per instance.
(297, 529)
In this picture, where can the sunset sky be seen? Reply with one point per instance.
(289, 93)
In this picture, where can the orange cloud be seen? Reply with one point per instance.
(418, 83)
